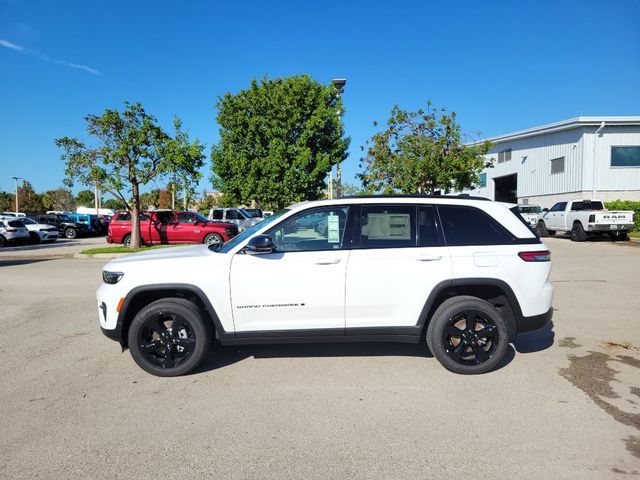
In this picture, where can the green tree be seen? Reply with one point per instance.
(150, 200)
(422, 152)
(130, 149)
(28, 200)
(85, 198)
(7, 202)
(114, 204)
(278, 140)
(59, 199)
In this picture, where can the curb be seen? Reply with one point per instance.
(99, 255)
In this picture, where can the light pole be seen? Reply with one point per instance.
(338, 84)
(15, 179)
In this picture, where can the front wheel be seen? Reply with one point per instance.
(169, 337)
(212, 238)
(70, 233)
(541, 229)
(468, 335)
(34, 238)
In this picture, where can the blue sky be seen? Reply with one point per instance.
(502, 66)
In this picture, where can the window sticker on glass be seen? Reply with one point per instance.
(333, 229)
(389, 226)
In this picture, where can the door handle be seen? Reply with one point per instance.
(429, 258)
(326, 261)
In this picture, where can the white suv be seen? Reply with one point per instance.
(12, 230)
(466, 273)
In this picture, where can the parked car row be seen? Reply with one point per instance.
(580, 218)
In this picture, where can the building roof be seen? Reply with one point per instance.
(569, 124)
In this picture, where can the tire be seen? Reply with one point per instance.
(162, 356)
(541, 229)
(34, 238)
(577, 233)
(70, 233)
(3, 242)
(126, 240)
(212, 239)
(481, 352)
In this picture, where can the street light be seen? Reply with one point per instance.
(338, 84)
(15, 179)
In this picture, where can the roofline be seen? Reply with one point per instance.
(562, 125)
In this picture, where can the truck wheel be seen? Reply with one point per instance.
(126, 240)
(577, 233)
(70, 233)
(212, 238)
(169, 337)
(541, 229)
(468, 335)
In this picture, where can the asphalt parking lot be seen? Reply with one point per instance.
(565, 405)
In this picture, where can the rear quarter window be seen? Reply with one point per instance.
(463, 225)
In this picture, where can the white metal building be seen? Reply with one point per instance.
(583, 157)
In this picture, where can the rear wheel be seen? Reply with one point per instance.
(3, 242)
(468, 335)
(126, 240)
(70, 233)
(169, 337)
(541, 229)
(212, 238)
(577, 233)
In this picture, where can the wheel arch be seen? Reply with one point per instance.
(141, 296)
(495, 291)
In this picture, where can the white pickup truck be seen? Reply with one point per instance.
(584, 217)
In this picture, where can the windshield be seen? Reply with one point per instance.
(28, 221)
(533, 209)
(64, 218)
(238, 239)
(201, 218)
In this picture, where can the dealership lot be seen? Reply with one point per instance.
(566, 404)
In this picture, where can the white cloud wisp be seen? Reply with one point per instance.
(46, 58)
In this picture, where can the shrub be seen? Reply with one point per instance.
(626, 205)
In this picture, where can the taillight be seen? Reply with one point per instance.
(539, 256)
(592, 218)
(11, 230)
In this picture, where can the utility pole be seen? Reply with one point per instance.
(338, 84)
(15, 179)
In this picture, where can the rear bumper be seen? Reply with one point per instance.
(528, 324)
(617, 227)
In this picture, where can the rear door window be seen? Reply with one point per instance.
(387, 226)
(464, 225)
(217, 214)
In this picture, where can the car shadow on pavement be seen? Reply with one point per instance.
(15, 262)
(535, 341)
(222, 356)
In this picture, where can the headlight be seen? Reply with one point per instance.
(111, 277)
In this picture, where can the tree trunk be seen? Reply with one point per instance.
(135, 216)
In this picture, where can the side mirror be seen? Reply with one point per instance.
(259, 245)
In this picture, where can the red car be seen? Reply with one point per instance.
(169, 226)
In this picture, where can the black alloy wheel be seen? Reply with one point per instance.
(70, 233)
(468, 335)
(169, 337)
(470, 338)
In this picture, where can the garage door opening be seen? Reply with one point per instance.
(506, 188)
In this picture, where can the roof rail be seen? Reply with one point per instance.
(462, 196)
